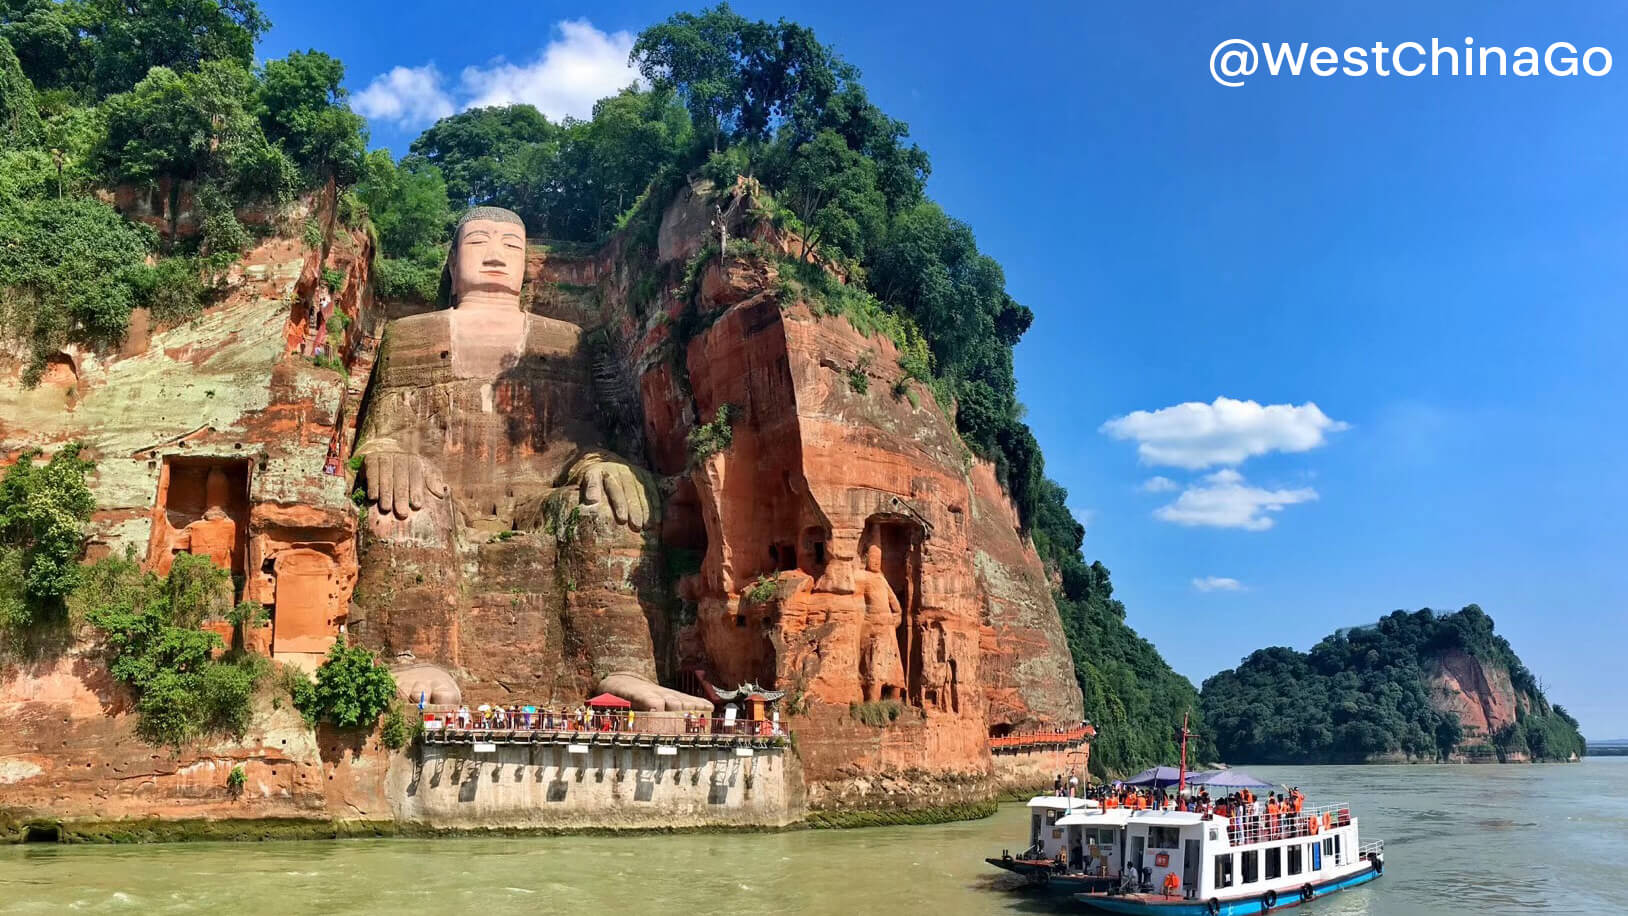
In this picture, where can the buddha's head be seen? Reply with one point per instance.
(873, 558)
(488, 258)
(217, 491)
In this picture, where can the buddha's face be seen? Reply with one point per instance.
(873, 558)
(490, 257)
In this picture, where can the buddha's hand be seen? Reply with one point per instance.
(611, 483)
(401, 482)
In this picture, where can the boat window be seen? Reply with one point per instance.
(1316, 857)
(1223, 870)
(1339, 858)
(1328, 846)
(1297, 859)
(1250, 867)
(1274, 862)
(1164, 838)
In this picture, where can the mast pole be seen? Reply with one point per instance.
(1181, 781)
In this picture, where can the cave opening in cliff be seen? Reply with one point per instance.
(202, 508)
(900, 539)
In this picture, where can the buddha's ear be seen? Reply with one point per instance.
(443, 291)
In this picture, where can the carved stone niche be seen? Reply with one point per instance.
(306, 614)
(900, 538)
(202, 507)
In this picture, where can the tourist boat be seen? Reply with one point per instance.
(1187, 864)
(1054, 860)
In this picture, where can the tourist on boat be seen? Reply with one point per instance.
(1057, 785)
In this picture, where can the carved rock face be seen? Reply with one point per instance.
(500, 545)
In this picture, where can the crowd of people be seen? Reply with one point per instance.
(581, 718)
(592, 719)
(1250, 818)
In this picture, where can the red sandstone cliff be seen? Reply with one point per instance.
(821, 469)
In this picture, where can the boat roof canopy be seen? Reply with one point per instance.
(1119, 817)
(1063, 803)
(1113, 817)
(1169, 818)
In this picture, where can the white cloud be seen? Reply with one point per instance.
(1218, 584)
(1195, 435)
(580, 66)
(1159, 485)
(409, 96)
(1224, 500)
(575, 70)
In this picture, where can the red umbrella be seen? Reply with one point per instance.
(607, 699)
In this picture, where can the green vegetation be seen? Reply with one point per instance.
(95, 93)
(1365, 692)
(236, 780)
(352, 689)
(714, 436)
(395, 733)
(876, 713)
(43, 511)
(763, 589)
(155, 648)
(897, 816)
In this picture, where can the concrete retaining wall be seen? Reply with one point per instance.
(545, 786)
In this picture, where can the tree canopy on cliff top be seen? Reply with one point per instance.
(1365, 692)
(96, 93)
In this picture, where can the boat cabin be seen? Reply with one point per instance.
(1185, 855)
(1046, 833)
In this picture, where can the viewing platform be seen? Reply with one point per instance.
(635, 738)
(646, 730)
(1047, 738)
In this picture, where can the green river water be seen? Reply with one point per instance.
(1458, 839)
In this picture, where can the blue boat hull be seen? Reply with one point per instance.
(1245, 906)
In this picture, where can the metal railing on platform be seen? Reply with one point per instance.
(1040, 738)
(602, 729)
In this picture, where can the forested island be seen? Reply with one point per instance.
(1420, 686)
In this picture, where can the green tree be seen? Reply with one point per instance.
(20, 124)
(302, 106)
(475, 150)
(71, 270)
(352, 689)
(43, 511)
(154, 649)
(49, 41)
(130, 39)
(832, 190)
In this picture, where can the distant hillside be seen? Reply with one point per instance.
(1420, 686)
(1615, 747)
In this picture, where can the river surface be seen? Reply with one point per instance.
(1458, 840)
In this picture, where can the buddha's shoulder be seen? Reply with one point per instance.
(418, 342)
(430, 330)
(552, 336)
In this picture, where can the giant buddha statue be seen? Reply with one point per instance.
(504, 543)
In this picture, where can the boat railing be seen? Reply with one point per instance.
(1247, 829)
(1372, 847)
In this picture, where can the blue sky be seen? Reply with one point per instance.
(1436, 263)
